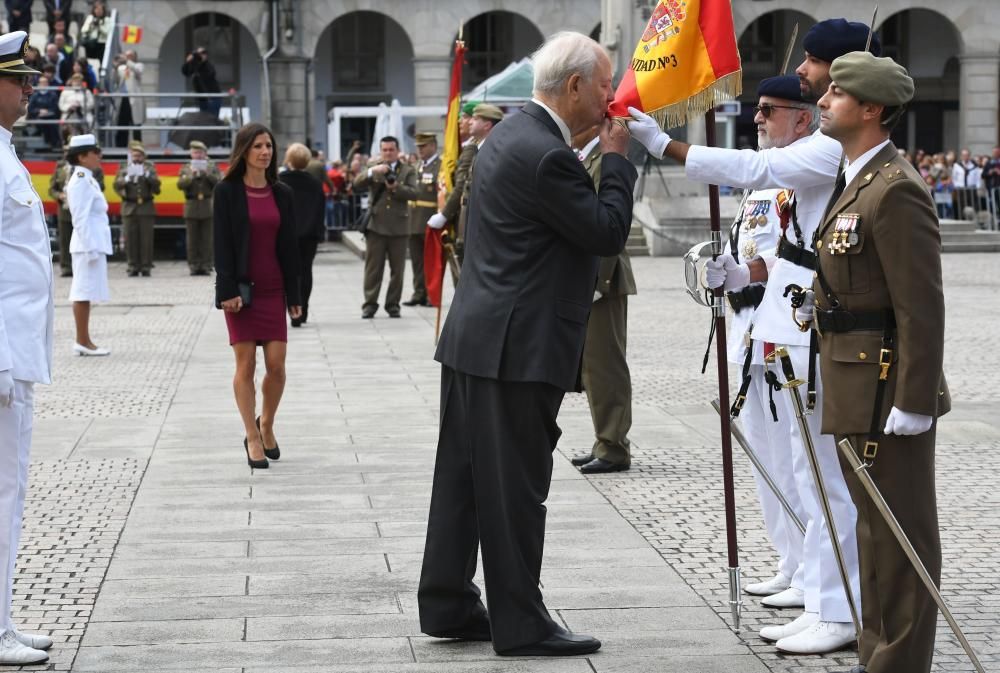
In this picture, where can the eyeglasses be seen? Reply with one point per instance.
(766, 109)
(22, 81)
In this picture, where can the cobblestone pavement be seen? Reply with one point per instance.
(146, 547)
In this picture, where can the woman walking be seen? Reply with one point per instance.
(90, 243)
(310, 209)
(257, 277)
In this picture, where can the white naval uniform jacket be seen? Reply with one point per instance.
(809, 166)
(755, 240)
(89, 208)
(26, 307)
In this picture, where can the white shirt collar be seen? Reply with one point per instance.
(852, 168)
(6, 137)
(589, 147)
(424, 162)
(563, 128)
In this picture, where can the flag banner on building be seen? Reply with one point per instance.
(685, 64)
(132, 34)
(434, 262)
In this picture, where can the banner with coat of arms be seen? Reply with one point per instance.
(686, 62)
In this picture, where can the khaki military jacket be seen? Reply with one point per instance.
(137, 195)
(454, 206)
(57, 187)
(614, 275)
(390, 213)
(895, 264)
(425, 205)
(198, 190)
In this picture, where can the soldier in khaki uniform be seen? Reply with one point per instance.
(57, 190)
(605, 373)
(880, 311)
(197, 180)
(421, 210)
(137, 183)
(392, 184)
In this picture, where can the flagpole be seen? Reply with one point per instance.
(718, 309)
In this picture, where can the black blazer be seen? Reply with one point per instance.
(231, 231)
(535, 231)
(308, 203)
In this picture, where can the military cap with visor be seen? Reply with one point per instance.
(424, 138)
(137, 146)
(81, 144)
(197, 145)
(13, 47)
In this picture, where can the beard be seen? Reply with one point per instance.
(767, 142)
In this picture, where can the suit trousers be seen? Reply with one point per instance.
(899, 615)
(139, 241)
(491, 479)
(307, 254)
(65, 228)
(769, 440)
(199, 243)
(416, 243)
(379, 248)
(15, 453)
(606, 378)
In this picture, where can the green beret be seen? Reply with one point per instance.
(872, 79)
(487, 111)
(469, 107)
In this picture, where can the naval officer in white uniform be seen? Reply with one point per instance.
(26, 312)
(810, 168)
(91, 240)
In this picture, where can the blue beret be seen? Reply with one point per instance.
(829, 40)
(786, 87)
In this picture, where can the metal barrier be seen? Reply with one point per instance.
(977, 205)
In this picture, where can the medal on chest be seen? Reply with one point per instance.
(845, 235)
(755, 214)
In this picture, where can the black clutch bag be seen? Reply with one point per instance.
(246, 293)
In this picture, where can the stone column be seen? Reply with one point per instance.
(432, 80)
(978, 101)
(289, 98)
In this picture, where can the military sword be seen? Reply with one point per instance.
(745, 445)
(871, 29)
(861, 469)
(791, 47)
(792, 385)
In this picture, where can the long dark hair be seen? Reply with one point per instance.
(242, 144)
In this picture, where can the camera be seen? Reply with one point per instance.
(390, 178)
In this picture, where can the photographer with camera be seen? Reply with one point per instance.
(391, 185)
(203, 79)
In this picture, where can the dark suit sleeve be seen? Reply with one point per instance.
(288, 247)
(596, 222)
(908, 241)
(223, 244)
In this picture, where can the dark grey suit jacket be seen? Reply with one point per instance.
(536, 229)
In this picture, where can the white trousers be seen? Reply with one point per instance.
(15, 452)
(770, 440)
(824, 587)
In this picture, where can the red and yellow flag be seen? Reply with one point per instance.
(132, 34)
(685, 64)
(434, 262)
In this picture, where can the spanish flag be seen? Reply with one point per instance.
(434, 261)
(132, 34)
(686, 63)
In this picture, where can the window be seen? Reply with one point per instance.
(219, 34)
(359, 52)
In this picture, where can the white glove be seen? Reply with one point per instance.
(805, 313)
(6, 388)
(904, 423)
(437, 221)
(645, 129)
(724, 272)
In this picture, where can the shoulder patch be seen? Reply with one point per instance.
(79, 174)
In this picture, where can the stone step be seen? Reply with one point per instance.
(949, 226)
(972, 246)
(970, 241)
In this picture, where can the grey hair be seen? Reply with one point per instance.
(813, 117)
(563, 55)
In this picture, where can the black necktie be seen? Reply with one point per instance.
(838, 189)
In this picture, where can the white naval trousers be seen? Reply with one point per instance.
(15, 452)
(823, 585)
(772, 444)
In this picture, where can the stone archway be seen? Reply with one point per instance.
(495, 39)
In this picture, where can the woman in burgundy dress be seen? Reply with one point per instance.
(257, 279)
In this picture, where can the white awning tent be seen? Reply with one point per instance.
(511, 86)
(389, 121)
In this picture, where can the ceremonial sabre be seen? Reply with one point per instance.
(861, 469)
(745, 445)
(792, 385)
(791, 46)
(871, 29)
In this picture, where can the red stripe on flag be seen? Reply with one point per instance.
(716, 22)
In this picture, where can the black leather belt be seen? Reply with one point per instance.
(839, 320)
(796, 255)
(748, 297)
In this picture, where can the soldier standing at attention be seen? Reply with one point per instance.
(197, 179)
(57, 190)
(421, 209)
(137, 183)
(880, 311)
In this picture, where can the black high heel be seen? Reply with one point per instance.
(273, 454)
(259, 464)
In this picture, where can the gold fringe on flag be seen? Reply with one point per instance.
(728, 87)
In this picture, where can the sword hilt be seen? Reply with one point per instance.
(781, 354)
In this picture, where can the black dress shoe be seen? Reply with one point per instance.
(413, 302)
(582, 460)
(477, 629)
(599, 466)
(273, 454)
(393, 312)
(562, 643)
(133, 274)
(146, 274)
(368, 313)
(296, 322)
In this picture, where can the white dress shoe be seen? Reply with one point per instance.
(92, 352)
(820, 638)
(13, 653)
(38, 641)
(775, 585)
(798, 625)
(789, 598)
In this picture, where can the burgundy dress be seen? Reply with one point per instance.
(265, 319)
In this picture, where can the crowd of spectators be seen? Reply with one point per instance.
(963, 186)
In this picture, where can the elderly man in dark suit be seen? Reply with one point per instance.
(511, 348)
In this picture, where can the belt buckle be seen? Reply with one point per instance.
(740, 401)
(884, 363)
(870, 451)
